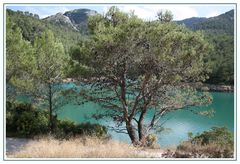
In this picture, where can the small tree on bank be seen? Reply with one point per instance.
(42, 78)
(136, 67)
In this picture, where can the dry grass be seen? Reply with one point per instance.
(211, 150)
(80, 148)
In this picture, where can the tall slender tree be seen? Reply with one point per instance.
(42, 80)
(18, 56)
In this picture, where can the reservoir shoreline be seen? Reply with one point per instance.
(216, 88)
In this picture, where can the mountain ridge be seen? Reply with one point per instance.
(223, 23)
(77, 19)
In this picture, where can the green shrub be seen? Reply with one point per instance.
(220, 135)
(215, 143)
(31, 124)
(23, 120)
(91, 129)
(67, 129)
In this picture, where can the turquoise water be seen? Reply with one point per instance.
(179, 123)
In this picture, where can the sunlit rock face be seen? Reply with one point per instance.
(76, 19)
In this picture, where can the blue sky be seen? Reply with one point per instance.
(147, 12)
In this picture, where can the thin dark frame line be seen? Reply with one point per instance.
(3, 84)
(235, 84)
(102, 159)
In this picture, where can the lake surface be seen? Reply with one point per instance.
(179, 123)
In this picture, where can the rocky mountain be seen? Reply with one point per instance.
(61, 19)
(77, 19)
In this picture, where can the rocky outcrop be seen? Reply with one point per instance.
(60, 18)
(76, 19)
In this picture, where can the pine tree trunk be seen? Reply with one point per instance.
(132, 133)
(50, 108)
(141, 129)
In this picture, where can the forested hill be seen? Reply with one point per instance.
(190, 22)
(71, 28)
(31, 26)
(223, 23)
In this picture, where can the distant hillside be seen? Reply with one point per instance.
(222, 24)
(189, 22)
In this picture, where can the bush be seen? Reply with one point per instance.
(151, 141)
(220, 135)
(23, 120)
(215, 143)
(67, 129)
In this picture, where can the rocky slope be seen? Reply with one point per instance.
(76, 19)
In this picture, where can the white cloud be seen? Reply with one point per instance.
(213, 14)
(46, 11)
(149, 11)
(141, 12)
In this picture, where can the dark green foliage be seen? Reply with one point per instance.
(80, 60)
(24, 120)
(67, 129)
(221, 59)
(29, 25)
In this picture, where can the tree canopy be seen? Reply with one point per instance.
(137, 66)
